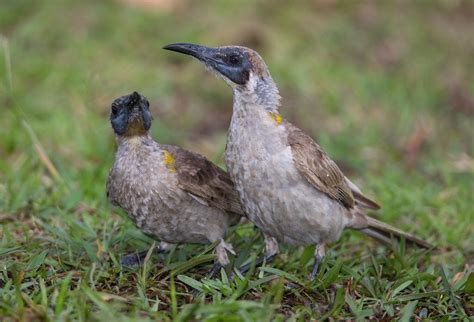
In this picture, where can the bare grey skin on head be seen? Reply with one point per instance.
(288, 186)
(171, 194)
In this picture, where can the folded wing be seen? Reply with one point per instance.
(322, 172)
(205, 181)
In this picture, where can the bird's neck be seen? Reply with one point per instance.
(132, 142)
(260, 91)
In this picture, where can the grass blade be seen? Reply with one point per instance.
(407, 311)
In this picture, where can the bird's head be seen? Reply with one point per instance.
(130, 115)
(240, 67)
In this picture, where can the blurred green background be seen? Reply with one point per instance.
(386, 87)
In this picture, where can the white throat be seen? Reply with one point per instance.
(259, 90)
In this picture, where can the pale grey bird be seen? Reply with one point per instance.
(171, 194)
(288, 186)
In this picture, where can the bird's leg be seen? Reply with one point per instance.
(222, 260)
(136, 258)
(271, 250)
(319, 254)
(215, 269)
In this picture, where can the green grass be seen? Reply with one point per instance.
(386, 88)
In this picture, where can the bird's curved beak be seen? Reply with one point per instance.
(134, 98)
(212, 58)
(203, 53)
(133, 103)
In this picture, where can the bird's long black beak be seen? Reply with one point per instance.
(213, 58)
(202, 53)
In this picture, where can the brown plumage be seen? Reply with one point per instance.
(287, 184)
(322, 172)
(171, 194)
(314, 164)
(205, 180)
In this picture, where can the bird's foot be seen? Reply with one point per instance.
(136, 259)
(271, 250)
(215, 269)
(133, 259)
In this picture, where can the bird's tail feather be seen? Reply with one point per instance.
(386, 233)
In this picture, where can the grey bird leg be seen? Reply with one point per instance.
(271, 250)
(222, 260)
(319, 254)
(136, 259)
(215, 269)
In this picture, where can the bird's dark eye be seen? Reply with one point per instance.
(114, 110)
(234, 59)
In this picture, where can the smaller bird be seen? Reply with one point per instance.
(288, 186)
(171, 194)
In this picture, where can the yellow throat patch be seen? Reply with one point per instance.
(169, 161)
(275, 116)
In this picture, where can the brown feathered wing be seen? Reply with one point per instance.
(314, 164)
(203, 179)
(322, 172)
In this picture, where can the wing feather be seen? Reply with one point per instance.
(316, 166)
(203, 179)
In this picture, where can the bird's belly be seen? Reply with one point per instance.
(189, 223)
(160, 209)
(280, 202)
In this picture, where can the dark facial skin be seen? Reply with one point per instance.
(231, 62)
(130, 115)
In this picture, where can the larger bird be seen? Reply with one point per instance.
(287, 184)
(171, 194)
